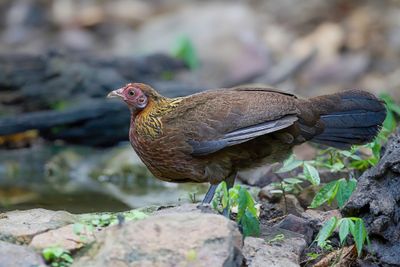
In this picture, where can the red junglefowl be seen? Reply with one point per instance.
(210, 136)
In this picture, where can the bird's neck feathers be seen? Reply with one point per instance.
(147, 122)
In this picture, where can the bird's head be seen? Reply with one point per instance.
(136, 95)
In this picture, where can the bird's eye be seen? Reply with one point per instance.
(131, 93)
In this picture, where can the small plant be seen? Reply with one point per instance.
(238, 198)
(82, 230)
(57, 257)
(277, 238)
(293, 184)
(340, 190)
(107, 219)
(354, 226)
(312, 256)
(393, 110)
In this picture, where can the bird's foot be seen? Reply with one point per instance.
(226, 213)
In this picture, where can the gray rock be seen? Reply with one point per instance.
(261, 176)
(20, 226)
(291, 205)
(376, 201)
(63, 237)
(186, 207)
(270, 193)
(285, 253)
(297, 225)
(18, 256)
(176, 239)
(320, 217)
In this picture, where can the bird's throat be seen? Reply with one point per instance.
(147, 123)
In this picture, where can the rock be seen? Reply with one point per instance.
(261, 176)
(12, 255)
(176, 239)
(317, 218)
(63, 237)
(286, 253)
(307, 195)
(20, 226)
(270, 193)
(297, 225)
(290, 205)
(186, 207)
(376, 201)
(322, 216)
(269, 211)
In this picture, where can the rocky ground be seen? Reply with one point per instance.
(187, 235)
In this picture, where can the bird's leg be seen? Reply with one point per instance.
(210, 194)
(211, 190)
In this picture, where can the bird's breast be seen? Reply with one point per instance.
(167, 155)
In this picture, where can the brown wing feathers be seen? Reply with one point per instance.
(339, 120)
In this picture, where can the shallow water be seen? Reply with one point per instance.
(83, 179)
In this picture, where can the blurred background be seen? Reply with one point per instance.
(64, 146)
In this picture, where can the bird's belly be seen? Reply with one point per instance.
(170, 159)
(169, 162)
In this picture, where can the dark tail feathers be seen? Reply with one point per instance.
(352, 118)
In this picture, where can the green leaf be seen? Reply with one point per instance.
(349, 154)
(337, 167)
(293, 180)
(251, 205)
(359, 233)
(290, 164)
(277, 238)
(134, 215)
(345, 189)
(48, 254)
(242, 203)
(234, 195)
(78, 228)
(376, 150)
(344, 229)
(312, 255)
(184, 50)
(311, 174)
(395, 108)
(326, 231)
(326, 193)
(67, 258)
(250, 224)
(221, 197)
(390, 103)
(390, 122)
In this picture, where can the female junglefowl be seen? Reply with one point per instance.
(210, 136)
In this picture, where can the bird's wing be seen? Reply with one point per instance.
(263, 89)
(205, 147)
(216, 119)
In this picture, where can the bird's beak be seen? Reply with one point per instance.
(116, 93)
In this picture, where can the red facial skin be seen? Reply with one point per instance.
(133, 96)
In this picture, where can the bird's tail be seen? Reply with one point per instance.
(348, 118)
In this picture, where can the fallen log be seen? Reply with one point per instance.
(34, 82)
(63, 97)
